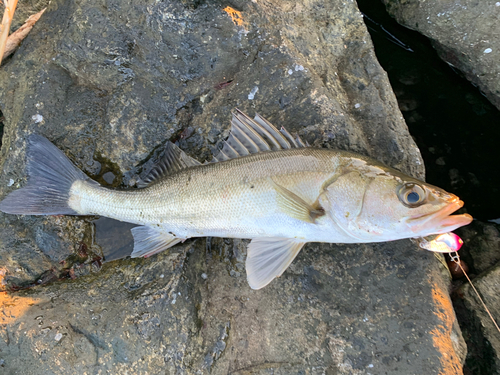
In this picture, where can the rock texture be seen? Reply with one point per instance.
(464, 33)
(191, 312)
(480, 330)
(109, 83)
(481, 252)
(482, 245)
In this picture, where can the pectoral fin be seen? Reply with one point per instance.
(268, 258)
(149, 241)
(294, 206)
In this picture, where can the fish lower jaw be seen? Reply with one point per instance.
(456, 221)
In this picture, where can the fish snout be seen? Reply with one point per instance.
(446, 197)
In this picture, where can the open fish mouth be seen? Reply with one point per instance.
(440, 221)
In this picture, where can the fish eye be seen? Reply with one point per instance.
(411, 195)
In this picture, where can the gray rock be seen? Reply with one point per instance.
(464, 33)
(481, 244)
(109, 84)
(483, 336)
(481, 252)
(339, 309)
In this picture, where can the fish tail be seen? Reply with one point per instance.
(50, 178)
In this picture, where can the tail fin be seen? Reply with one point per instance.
(50, 176)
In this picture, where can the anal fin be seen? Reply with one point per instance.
(268, 258)
(149, 241)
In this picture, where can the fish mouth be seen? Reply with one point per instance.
(440, 221)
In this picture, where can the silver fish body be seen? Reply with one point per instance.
(263, 186)
(235, 198)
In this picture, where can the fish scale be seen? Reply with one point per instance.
(193, 198)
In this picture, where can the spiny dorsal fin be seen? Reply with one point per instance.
(173, 160)
(289, 137)
(251, 136)
(278, 140)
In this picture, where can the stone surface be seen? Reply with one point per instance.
(481, 245)
(338, 310)
(465, 34)
(481, 251)
(109, 83)
(483, 336)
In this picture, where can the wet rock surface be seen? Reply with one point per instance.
(482, 253)
(191, 311)
(465, 34)
(481, 333)
(109, 84)
(481, 245)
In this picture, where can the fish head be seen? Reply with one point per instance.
(433, 214)
(384, 204)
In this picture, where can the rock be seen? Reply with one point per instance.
(339, 309)
(481, 245)
(483, 336)
(481, 250)
(109, 85)
(464, 34)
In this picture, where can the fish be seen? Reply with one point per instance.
(263, 185)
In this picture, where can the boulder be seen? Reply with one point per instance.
(481, 245)
(109, 84)
(464, 33)
(481, 252)
(479, 328)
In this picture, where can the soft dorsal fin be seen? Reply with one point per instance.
(173, 160)
(251, 136)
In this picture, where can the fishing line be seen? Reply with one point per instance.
(455, 257)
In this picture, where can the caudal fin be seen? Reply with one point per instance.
(50, 176)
